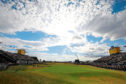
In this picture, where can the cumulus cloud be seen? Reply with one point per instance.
(8, 43)
(64, 57)
(94, 49)
(41, 45)
(53, 17)
(109, 26)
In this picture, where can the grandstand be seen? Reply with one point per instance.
(116, 61)
(8, 58)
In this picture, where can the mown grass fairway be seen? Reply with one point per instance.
(61, 73)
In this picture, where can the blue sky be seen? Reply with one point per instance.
(28, 35)
(119, 5)
(57, 30)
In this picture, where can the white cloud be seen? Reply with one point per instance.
(28, 45)
(52, 17)
(94, 49)
(65, 57)
(59, 17)
(108, 26)
(41, 45)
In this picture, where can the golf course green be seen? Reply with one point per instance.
(61, 73)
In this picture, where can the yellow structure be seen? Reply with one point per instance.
(114, 50)
(21, 51)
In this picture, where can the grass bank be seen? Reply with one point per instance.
(60, 73)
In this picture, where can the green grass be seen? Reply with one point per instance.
(61, 73)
